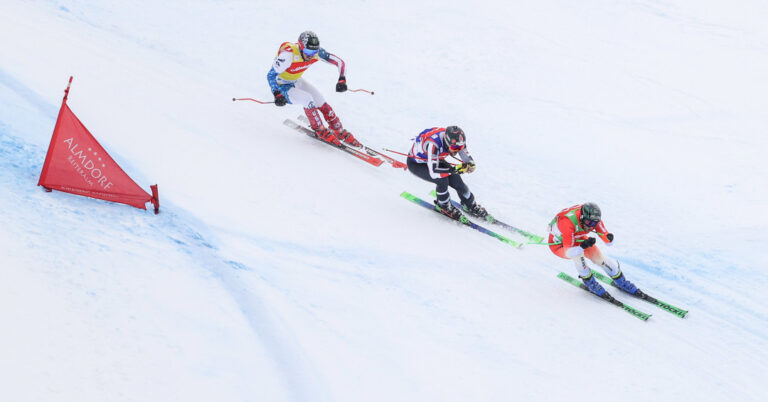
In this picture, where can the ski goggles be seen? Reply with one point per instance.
(456, 148)
(310, 52)
(590, 222)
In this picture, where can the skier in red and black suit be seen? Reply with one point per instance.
(284, 78)
(570, 229)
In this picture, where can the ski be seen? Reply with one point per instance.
(532, 237)
(642, 295)
(370, 151)
(350, 150)
(631, 310)
(395, 163)
(418, 201)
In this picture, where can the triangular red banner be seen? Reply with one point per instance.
(76, 163)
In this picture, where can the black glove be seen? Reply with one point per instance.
(610, 237)
(587, 243)
(279, 98)
(341, 85)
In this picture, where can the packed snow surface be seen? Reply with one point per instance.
(280, 269)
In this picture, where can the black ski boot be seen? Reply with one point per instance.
(477, 211)
(450, 211)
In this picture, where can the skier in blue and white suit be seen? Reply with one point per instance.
(426, 160)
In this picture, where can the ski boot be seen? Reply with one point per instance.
(477, 211)
(326, 135)
(316, 124)
(450, 211)
(594, 286)
(348, 138)
(625, 285)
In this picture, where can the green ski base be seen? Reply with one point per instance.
(418, 201)
(663, 305)
(631, 310)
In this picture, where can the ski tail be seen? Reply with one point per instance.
(350, 150)
(370, 151)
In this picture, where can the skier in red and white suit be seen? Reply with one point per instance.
(284, 78)
(569, 233)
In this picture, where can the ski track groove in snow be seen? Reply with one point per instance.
(311, 280)
(21, 164)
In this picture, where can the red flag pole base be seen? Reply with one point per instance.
(155, 198)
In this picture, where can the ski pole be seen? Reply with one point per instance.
(456, 159)
(539, 243)
(415, 157)
(361, 90)
(395, 152)
(251, 99)
(553, 244)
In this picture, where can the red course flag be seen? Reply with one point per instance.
(76, 163)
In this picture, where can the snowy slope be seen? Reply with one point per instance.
(282, 270)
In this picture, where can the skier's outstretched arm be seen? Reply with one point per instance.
(604, 234)
(341, 84)
(333, 59)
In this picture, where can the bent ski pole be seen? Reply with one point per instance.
(395, 152)
(551, 244)
(361, 90)
(253, 100)
(415, 157)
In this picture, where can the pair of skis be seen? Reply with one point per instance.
(465, 221)
(363, 152)
(491, 219)
(640, 295)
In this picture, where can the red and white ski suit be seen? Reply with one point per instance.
(565, 229)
